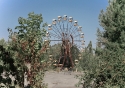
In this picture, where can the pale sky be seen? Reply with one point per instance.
(86, 12)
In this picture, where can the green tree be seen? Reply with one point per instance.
(28, 40)
(109, 72)
(7, 68)
(112, 21)
(112, 56)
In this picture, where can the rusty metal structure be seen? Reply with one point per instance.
(66, 31)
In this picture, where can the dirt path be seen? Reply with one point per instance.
(60, 80)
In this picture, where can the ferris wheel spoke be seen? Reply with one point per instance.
(70, 28)
(67, 28)
(57, 29)
(55, 40)
(78, 40)
(77, 36)
(75, 26)
(60, 26)
(63, 28)
(55, 35)
(74, 31)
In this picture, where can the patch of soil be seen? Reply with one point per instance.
(61, 79)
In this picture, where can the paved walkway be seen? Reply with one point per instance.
(60, 80)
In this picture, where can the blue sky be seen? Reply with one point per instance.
(86, 12)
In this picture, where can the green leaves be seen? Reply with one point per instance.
(107, 66)
(6, 65)
(29, 44)
(112, 21)
(23, 47)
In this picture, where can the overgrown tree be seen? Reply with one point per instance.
(28, 47)
(7, 68)
(109, 72)
(112, 56)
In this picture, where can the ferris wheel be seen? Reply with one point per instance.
(68, 33)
